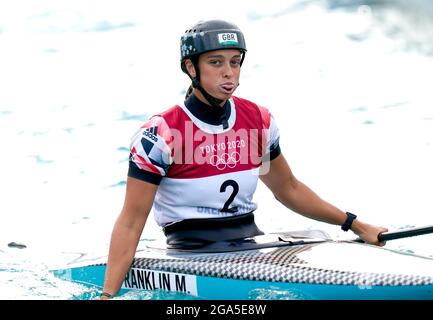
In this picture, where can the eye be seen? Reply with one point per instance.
(236, 62)
(215, 62)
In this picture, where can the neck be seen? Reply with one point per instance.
(200, 96)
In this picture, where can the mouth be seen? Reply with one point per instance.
(228, 88)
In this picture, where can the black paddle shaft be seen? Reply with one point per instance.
(405, 233)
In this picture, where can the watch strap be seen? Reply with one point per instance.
(349, 220)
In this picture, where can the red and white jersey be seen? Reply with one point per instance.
(203, 170)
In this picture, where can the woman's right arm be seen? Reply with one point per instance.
(127, 231)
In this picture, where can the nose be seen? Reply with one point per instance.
(227, 70)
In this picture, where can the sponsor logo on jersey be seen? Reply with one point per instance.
(228, 38)
(151, 133)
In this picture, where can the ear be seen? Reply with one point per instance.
(190, 68)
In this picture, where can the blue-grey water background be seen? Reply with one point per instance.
(349, 83)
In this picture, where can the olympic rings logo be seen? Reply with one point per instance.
(225, 160)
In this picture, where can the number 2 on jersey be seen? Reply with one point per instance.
(229, 201)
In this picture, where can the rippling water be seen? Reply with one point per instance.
(348, 82)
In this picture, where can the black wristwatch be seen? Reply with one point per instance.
(348, 223)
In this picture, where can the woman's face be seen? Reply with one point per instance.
(219, 72)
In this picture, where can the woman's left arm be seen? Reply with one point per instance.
(298, 197)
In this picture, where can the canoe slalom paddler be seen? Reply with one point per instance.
(197, 164)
